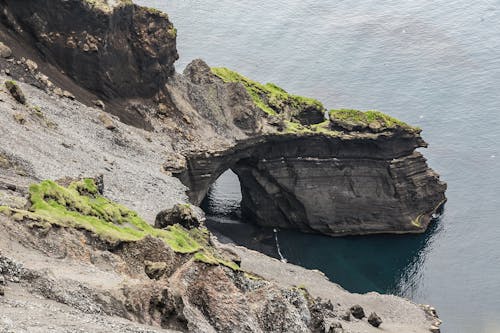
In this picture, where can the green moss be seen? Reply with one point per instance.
(269, 97)
(80, 206)
(211, 259)
(375, 118)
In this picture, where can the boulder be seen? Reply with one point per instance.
(183, 214)
(357, 311)
(374, 320)
(15, 91)
(5, 51)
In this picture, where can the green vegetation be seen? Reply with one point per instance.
(80, 206)
(367, 118)
(277, 102)
(269, 97)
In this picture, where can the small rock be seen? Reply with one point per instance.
(374, 320)
(20, 118)
(107, 121)
(100, 104)
(357, 311)
(15, 91)
(346, 316)
(5, 51)
(64, 93)
(2, 291)
(32, 66)
(69, 95)
(2, 280)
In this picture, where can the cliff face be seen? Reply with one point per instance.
(331, 185)
(356, 173)
(120, 50)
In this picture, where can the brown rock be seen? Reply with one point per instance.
(5, 51)
(374, 320)
(155, 270)
(20, 118)
(183, 214)
(32, 66)
(15, 91)
(107, 121)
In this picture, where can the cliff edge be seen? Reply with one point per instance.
(97, 232)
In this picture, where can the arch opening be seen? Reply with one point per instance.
(222, 205)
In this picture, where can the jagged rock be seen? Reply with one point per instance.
(16, 91)
(374, 320)
(174, 163)
(224, 107)
(107, 121)
(155, 270)
(183, 214)
(87, 41)
(5, 51)
(357, 311)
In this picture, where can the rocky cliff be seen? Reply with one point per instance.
(356, 173)
(81, 255)
(115, 50)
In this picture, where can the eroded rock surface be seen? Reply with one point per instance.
(120, 50)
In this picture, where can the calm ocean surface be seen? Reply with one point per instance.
(434, 64)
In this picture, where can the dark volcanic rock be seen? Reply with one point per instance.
(357, 312)
(121, 51)
(374, 183)
(183, 214)
(228, 108)
(374, 320)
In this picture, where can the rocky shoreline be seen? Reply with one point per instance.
(69, 112)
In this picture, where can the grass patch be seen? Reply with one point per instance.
(81, 206)
(367, 118)
(268, 97)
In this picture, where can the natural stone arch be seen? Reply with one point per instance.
(320, 183)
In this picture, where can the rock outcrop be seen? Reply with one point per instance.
(356, 173)
(115, 50)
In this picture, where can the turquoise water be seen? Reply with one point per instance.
(435, 64)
